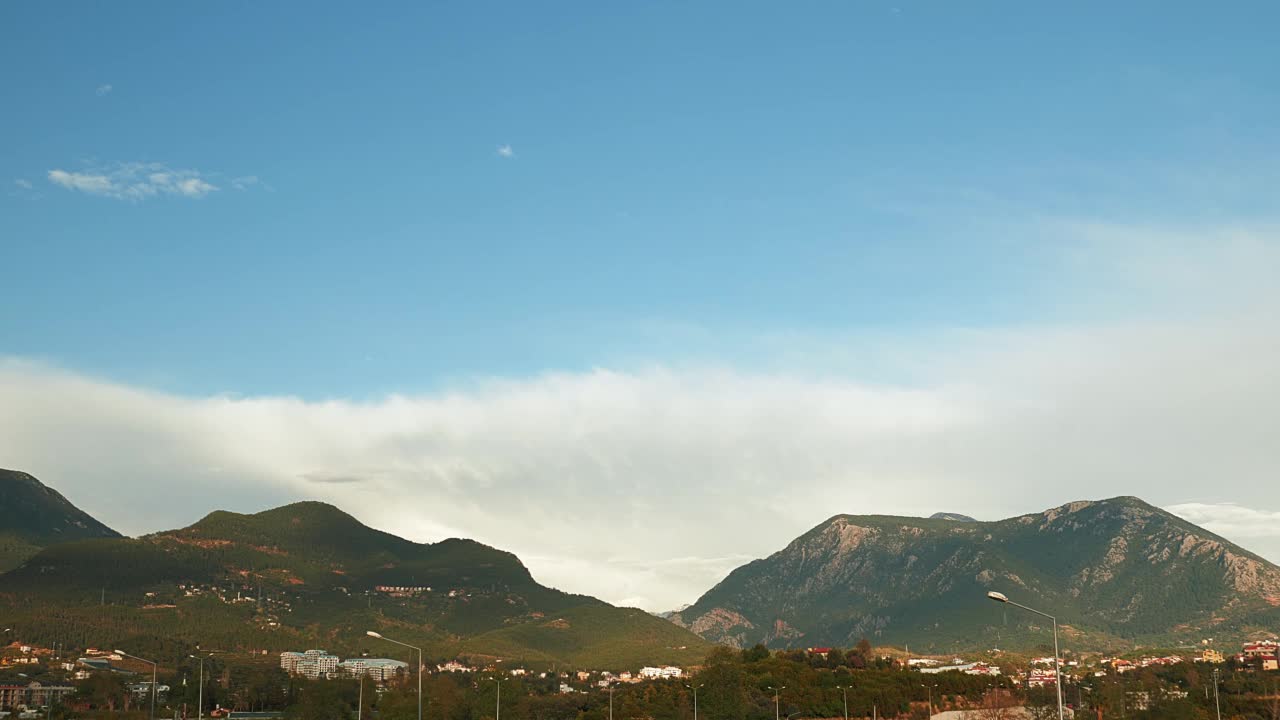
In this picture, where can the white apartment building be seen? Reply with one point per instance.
(312, 663)
(380, 669)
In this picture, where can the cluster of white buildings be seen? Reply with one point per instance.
(973, 668)
(661, 673)
(320, 664)
(312, 663)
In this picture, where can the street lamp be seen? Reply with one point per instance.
(844, 694)
(1057, 669)
(360, 701)
(497, 711)
(694, 688)
(610, 703)
(930, 688)
(373, 634)
(1216, 705)
(200, 692)
(154, 666)
(777, 707)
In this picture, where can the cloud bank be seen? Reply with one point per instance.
(646, 485)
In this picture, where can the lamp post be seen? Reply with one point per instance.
(154, 666)
(200, 692)
(360, 701)
(777, 706)
(497, 710)
(844, 694)
(694, 688)
(611, 703)
(373, 634)
(1216, 705)
(930, 688)
(1057, 664)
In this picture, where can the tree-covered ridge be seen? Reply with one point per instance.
(33, 516)
(1113, 571)
(307, 575)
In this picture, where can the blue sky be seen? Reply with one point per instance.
(687, 262)
(682, 178)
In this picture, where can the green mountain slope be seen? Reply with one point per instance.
(310, 575)
(1115, 572)
(33, 516)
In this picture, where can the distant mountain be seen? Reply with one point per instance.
(957, 517)
(1115, 572)
(33, 516)
(310, 575)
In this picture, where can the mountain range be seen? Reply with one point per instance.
(304, 575)
(1115, 572)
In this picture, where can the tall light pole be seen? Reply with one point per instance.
(373, 634)
(1057, 664)
(694, 688)
(1216, 705)
(360, 702)
(200, 692)
(844, 694)
(497, 710)
(777, 706)
(930, 687)
(154, 666)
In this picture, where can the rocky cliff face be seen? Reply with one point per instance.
(1113, 571)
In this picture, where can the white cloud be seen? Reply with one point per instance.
(646, 486)
(134, 181)
(506, 151)
(1230, 519)
(103, 90)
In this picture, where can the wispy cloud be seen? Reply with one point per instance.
(506, 151)
(134, 181)
(103, 90)
(1230, 520)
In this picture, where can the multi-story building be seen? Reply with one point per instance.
(1211, 656)
(32, 695)
(312, 663)
(1263, 648)
(380, 669)
(289, 661)
(317, 664)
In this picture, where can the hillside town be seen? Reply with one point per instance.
(64, 675)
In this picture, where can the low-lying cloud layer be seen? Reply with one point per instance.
(645, 486)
